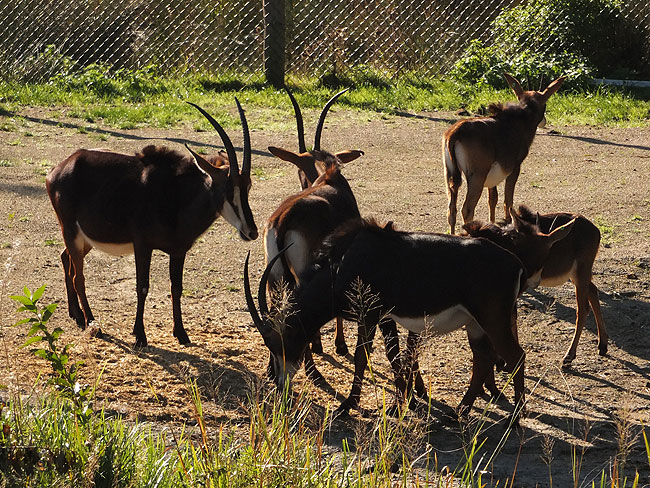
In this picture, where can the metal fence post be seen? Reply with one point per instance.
(274, 42)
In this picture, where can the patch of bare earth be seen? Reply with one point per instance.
(600, 172)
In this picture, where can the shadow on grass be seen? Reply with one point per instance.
(136, 137)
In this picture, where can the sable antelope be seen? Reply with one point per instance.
(488, 150)
(304, 219)
(157, 199)
(422, 281)
(572, 258)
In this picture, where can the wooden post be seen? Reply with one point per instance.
(274, 42)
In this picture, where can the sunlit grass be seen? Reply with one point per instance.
(163, 105)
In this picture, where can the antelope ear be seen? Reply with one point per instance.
(347, 156)
(514, 84)
(284, 154)
(304, 162)
(553, 87)
(217, 174)
(561, 232)
(472, 227)
(517, 221)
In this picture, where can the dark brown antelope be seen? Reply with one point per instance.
(157, 199)
(572, 258)
(304, 219)
(488, 150)
(422, 281)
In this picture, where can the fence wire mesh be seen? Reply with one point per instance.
(40, 38)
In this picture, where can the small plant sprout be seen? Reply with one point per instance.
(65, 374)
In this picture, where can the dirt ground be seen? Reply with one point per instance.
(600, 172)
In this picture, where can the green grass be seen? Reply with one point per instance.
(57, 438)
(608, 233)
(156, 101)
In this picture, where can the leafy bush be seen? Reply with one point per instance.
(38, 66)
(542, 39)
(100, 79)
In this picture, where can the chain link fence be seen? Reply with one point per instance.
(422, 38)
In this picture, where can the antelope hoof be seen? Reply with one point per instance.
(140, 342)
(182, 337)
(602, 348)
(79, 320)
(566, 362)
(345, 407)
(342, 349)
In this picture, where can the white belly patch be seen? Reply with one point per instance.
(112, 248)
(441, 323)
(559, 279)
(495, 176)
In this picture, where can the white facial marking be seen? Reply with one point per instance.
(285, 371)
(441, 323)
(231, 211)
(114, 249)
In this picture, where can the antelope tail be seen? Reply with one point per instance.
(452, 171)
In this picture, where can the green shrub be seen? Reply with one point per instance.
(101, 80)
(543, 39)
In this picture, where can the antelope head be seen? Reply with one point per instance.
(312, 164)
(286, 343)
(534, 98)
(230, 185)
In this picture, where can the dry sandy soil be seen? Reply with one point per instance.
(599, 172)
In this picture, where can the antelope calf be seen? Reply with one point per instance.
(421, 281)
(156, 199)
(572, 258)
(304, 219)
(488, 150)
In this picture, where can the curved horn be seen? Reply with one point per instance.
(261, 293)
(302, 147)
(246, 163)
(321, 120)
(259, 323)
(230, 150)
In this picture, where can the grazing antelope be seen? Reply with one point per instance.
(422, 281)
(157, 199)
(572, 258)
(304, 219)
(488, 150)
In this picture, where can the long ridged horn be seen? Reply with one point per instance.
(259, 323)
(321, 120)
(246, 163)
(230, 150)
(302, 147)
